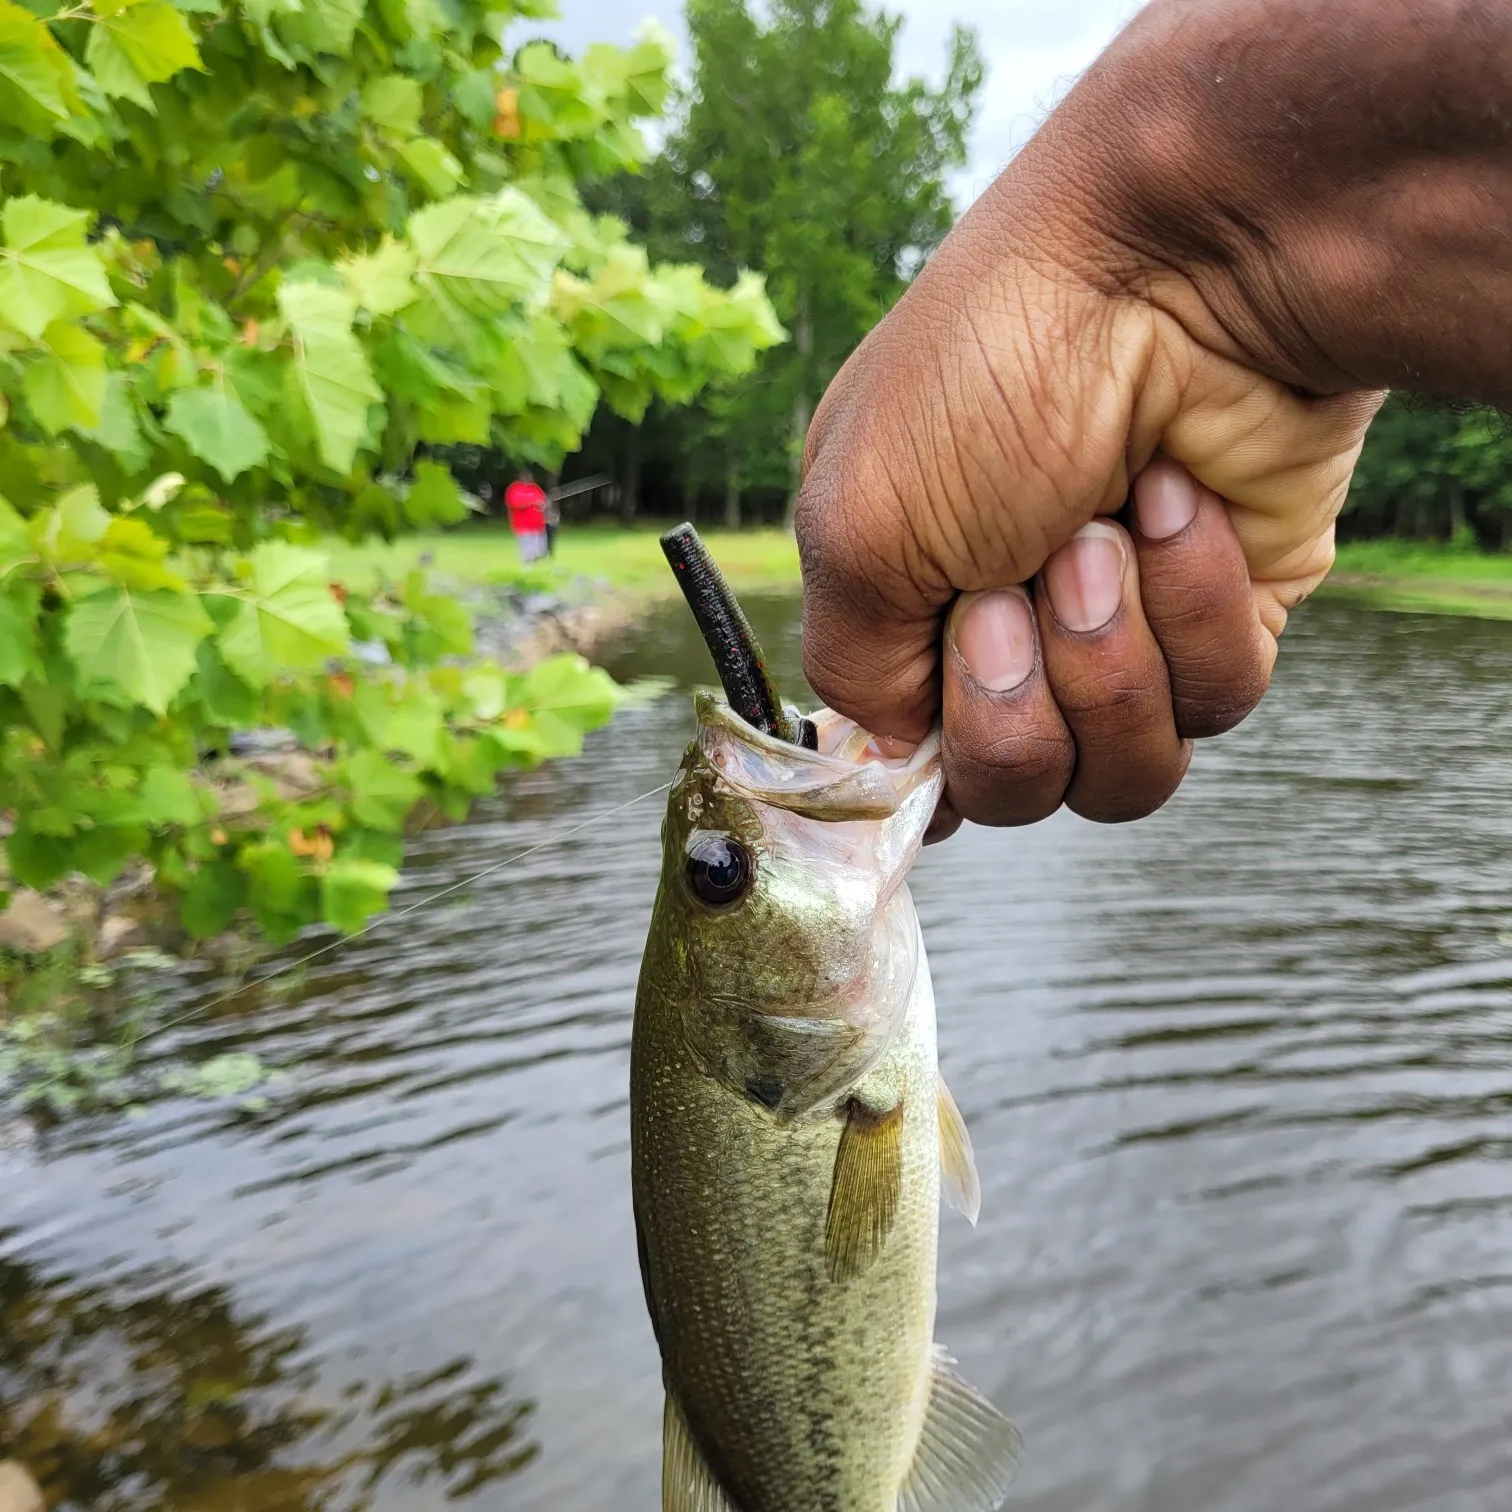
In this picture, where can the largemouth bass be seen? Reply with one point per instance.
(790, 1136)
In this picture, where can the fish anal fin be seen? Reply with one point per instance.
(688, 1485)
(963, 1188)
(864, 1192)
(968, 1451)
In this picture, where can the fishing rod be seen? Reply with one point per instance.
(737, 654)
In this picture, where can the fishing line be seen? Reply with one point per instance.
(387, 918)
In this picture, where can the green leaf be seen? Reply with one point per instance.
(101, 853)
(228, 700)
(282, 895)
(47, 271)
(211, 900)
(230, 1075)
(326, 26)
(382, 794)
(416, 726)
(32, 62)
(433, 498)
(568, 687)
(217, 427)
(37, 860)
(483, 256)
(353, 890)
(71, 531)
(18, 634)
(134, 43)
(383, 281)
(331, 368)
(118, 431)
(429, 162)
(168, 797)
(66, 388)
(393, 103)
(134, 647)
(289, 620)
(133, 553)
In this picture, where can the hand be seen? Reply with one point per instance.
(960, 555)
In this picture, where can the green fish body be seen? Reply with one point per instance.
(789, 1133)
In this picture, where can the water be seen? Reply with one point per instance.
(1240, 1080)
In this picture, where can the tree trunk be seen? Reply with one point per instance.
(1456, 512)
(631, 487)
(732, 501)
(803, 405)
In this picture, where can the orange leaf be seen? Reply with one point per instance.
(319, 845)
(507, 121)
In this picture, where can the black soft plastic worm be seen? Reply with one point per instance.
(737, 657)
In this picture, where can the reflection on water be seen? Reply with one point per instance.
(1240, 1080)
(147, 1393)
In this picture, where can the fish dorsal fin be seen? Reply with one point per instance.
(864, 1194)
(968, 1451)
(963, 1188)
(688, 1485)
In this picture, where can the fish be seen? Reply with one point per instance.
(791, 1138)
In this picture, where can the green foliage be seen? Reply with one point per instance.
(796, 151)
(1433, 473)
(255, 259)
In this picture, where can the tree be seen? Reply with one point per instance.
(796, 152)
(257, 260)
(1433, 472)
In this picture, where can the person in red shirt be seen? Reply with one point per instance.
(527, 504)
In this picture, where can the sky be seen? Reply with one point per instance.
(1034, 49)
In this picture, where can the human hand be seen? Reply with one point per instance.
(1053, 366)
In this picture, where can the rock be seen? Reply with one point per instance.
(119, 932)
(251, 742)
(18, 1491)
(31, 925)
(293, 773)
(237, 799)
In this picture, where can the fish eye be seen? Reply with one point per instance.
(720, 870)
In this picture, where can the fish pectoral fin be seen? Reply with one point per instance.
(963, 1187)
(688, 1485)
(864, 1193)
(968, 1451)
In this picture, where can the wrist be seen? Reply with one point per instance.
(1299, 185)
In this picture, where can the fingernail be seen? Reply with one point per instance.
(1165, 500)
(994, 636)
(1085, 578)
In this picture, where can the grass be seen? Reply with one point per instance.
(1411, 575)
(1424, 577)
(625, 559)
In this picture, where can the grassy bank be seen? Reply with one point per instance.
(627, 560)
(1425, 577)
(1412, 575)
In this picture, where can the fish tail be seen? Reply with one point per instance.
(968, 1451)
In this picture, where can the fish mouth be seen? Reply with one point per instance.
(847, 778)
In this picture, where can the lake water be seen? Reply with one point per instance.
(1239, 1077)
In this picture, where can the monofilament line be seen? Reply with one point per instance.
(391, 918)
